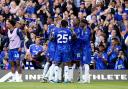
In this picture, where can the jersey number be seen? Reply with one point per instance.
(62, 38)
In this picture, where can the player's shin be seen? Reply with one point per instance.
(19, 73)
(86, 76)
(13, 72)
(60, 74)
(13, 77)
(80, 73)
(51, 72)
(66, 74)
(45, 68)
(56, 69)
(71, 72)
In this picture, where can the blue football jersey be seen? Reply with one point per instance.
(120, 64)
(35, 49)
(51, 29)
(85, 38)
(2, 55)
(63, 39)
(99, 62)
(76, 44)
(114, 53)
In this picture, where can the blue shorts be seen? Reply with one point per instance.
(50, 55)
(62, 57)
(14, 55)
(76, 55)
(86, 59)
(51, 50)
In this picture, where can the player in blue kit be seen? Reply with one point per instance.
(15, 43)
(86, 52)
(76, 41)
(76, 46)
(51, 48)
(37, 53)
(48, 74)
(63, 46)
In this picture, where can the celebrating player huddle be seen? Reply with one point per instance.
(70, 48)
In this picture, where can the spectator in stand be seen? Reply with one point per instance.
(100, 58)
(121, 61)
(113, 51)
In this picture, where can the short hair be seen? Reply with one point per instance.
(114, 38)
(101, 45)
(84, 21)
(76, 22)
(58, 18)
(38, 37)
(12, 22)
(64, 23)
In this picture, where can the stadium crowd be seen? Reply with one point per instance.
(106, 19)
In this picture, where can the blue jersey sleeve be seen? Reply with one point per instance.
(20, 34)
(6, 42)
(109, 49)
(2, 55)
(105, 56)
(30, 48)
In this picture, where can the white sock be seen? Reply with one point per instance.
(86, 73)
(13, 76)
(47, 74)
(66, 74)
(56, 69)
(80, 73)
(17, 76)
(45, 69)
(60, 74)
(51, 72)
(74, 66)
(20, 76)
(71, 72)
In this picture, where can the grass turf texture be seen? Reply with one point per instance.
(92, 85)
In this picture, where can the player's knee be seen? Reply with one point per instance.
(18, 63)
(12, 64)
(57, 63)
(86, 66)
(78, 63)
(67, 63)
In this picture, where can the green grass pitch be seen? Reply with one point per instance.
(92, 85)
